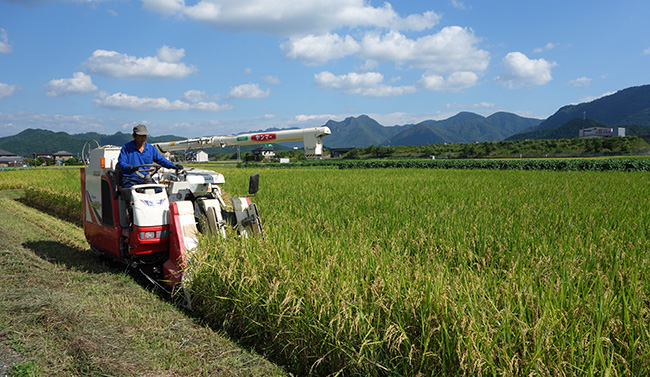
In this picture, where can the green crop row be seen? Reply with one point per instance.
(445, 272)
(609, 164)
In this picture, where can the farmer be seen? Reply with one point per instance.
(139, 152)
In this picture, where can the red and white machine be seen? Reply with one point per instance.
(157, 230)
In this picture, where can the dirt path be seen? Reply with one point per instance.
(65, 311)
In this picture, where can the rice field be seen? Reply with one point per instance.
(414, 272)
(54, 190)
(379, 272)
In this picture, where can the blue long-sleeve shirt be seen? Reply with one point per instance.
(131, 156)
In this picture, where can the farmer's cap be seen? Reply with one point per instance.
(140, 129)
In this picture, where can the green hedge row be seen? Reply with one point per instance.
(610, 164)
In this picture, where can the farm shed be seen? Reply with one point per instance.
(197, 156)
(9, 159)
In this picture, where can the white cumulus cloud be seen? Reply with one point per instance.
(311, 117)
(168, 54)
(271, 80)
(450, 50)
(521, 71)
(80, 83)
(292, 17)
(351, 83)
(389, 91)
(194, 96)
(5, 47)
(453, 83)
(368, 84)
(166, 7)
(249, 91)
(580, 81)
(122, 101)
(458, 5)
(165, 65)
(319, 31)
(318, 49)
(7, 90)
(548, 46)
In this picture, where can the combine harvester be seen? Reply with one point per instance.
(156, 231)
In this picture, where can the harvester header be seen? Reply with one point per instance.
(311, 137)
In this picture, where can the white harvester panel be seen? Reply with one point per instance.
(247, 217)
(214, 219)
(102, 160)
(201, 181)
(197, 182)
(187, 222)
(150, 205)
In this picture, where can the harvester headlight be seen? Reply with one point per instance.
(162, 233)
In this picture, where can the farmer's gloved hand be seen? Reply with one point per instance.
(129, 169)
(178, 167)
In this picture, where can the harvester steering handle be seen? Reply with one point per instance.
(150, 169)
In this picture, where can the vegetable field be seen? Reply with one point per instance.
(379, 272)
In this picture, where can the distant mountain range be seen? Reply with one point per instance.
(31, 141)
(464, 127)
(629, 108)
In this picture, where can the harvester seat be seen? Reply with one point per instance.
(115, 177)
(118, 178)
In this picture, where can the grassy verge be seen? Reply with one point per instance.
(63, 311)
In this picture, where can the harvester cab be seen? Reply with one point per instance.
(153, 227)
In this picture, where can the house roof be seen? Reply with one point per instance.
(11, 159)
(63, 153)
(4, 153)
(193, 152)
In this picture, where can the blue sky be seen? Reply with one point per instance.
(219, 67)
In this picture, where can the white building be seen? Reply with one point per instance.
(196, 156)
(591, 132)
(265, 152)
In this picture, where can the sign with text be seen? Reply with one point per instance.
(263, 137)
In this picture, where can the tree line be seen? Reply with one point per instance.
(508, 149)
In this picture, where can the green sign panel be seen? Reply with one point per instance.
(242, 138)
(268, 145)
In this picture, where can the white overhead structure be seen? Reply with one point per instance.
(311, 137)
